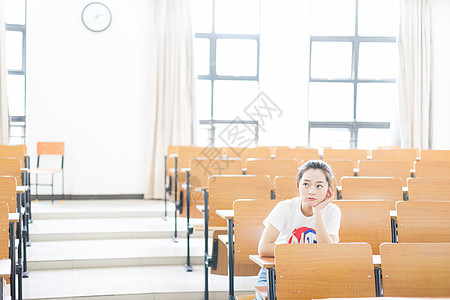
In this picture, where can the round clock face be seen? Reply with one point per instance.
(96, 16)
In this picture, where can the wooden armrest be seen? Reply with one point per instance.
(223, 238)
(225, 213)
(261, 291)
(21, 188)
(263, 262)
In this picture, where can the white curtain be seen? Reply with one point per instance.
(4, 115)
(171, 111)
(415, 74)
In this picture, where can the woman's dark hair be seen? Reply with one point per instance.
(316, 164)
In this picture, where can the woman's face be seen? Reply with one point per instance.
(313, 187)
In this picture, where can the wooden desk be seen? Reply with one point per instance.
(269, 264)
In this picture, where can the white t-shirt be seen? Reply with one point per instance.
(295, 228)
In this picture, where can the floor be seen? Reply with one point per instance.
(116, 249)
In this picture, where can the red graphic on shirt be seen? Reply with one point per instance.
(303, 235)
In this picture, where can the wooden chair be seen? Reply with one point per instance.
(307, 271)
(372, 188)
(416, 269)
(299, 154)
(11, 167)
(224, 189)
(409, 155)
(8, 193)
(423, 222)
(247, 153)
(338, 154)
(432, 169)
(285, 187)
(385, 168)
(199, 171)
(428, 189)
(272, 167)
(14, 151)
(341, 167)
(435, 155)
(4, 244)
(365, 221)
(47, 149)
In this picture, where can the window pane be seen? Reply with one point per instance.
(231, 97)
(201, 51)
(331, 60)
(330, 137)
(203, 99)
(236, 16)
(14, 50)
(16, 95)
(14, 11)
(376, 102)
(378, 60)
(330, 101)
(201, 11)
(331, 17)
(237, 57)
(378, 18)
(370, 138)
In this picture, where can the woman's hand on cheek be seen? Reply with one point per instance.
(321, 205)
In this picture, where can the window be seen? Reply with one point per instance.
(226, 51)
(15, 17)
(353, 70)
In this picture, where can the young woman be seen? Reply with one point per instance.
(310, 218)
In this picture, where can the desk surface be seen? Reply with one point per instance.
(269, 262)
(13, 217)
(225, 213)
(5, 267)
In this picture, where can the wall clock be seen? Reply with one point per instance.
(96, 16)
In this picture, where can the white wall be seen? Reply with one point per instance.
(90, 90)
(440, 76)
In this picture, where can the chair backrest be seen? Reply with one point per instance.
(428, 189)
(8, 193)
(366, 221)
(423, 222)
(202, 168)
(224, 189)
(272, 167)
(11, 167)
(4, 230)
(186, 153)
(372, 188)
(50, 148)
(341, 167)
(415, 269)
(258, 152)
(312, 271)
(435, 155)
(352, 154)
(14, 151)
(248, 226)
(432, 169)
(170, 160)
(410, 155)
(385, 168)
(299, 154)
(285, 187)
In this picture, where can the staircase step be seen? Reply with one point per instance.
(109, 228)
(155, 282)
(112, 253)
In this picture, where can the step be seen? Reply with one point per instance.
(112, 253)
(109, 228)
(100, 209)
(155, 282)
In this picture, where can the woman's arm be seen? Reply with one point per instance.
(267, 241)
(322, 234)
